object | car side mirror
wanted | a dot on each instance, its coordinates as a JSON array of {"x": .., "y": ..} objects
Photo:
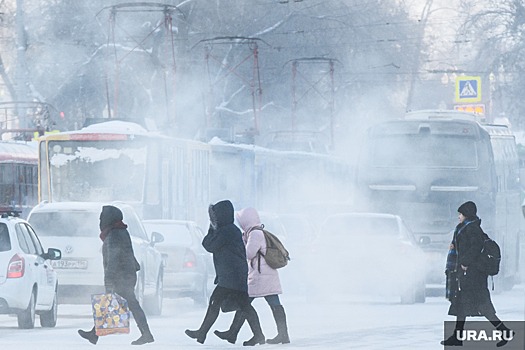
[
  {"x": 156, "y": 238},
  {"x": 52, "y": 254}
]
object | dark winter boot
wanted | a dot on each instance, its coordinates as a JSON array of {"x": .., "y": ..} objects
[
  {"x": 145, "y": 338},
  {"x": 256, "y": 339},
  {"x": 90, "y": 335},
  {"x": 209, "y": 319},
  {"x": 253, "y": 321},
  {"x": 197, "y": 335},
  {"x": 452, "y": 341},
  {"x": 226, "y": 335},
  {"x": 507, "y": 335},
  {"x": 231, "y": 334},
  {"x": 282, "y": 329}
]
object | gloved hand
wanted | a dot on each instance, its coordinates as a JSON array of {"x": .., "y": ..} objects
[{"x": 213, "y": 217}]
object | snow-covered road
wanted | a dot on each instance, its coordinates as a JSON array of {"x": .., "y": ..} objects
[{"x": 359, "y": 323}]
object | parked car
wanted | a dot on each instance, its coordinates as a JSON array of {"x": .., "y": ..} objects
[
  {"x": 28, "y": 282},
  {"x": 189, "y": 270},
  {"x": 74, "y": 228},
  {"x": 369, "y": 254}
]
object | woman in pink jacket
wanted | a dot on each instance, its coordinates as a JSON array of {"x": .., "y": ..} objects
[{"x": 263, "y": 281}]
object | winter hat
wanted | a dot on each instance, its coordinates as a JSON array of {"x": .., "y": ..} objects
[
  {"x": 468, "y": 209},
  {"x": 109, "y": 216}
]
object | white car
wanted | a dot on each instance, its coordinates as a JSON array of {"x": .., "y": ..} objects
[
  {"x": 368, "y": 254},
  {"x": 28, "y": 282},
  {"x": 74, "y": 228},
  {"x": 189, "y": 270}
]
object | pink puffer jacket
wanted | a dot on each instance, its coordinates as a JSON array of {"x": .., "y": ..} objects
[{"x": 266, "y": 282}]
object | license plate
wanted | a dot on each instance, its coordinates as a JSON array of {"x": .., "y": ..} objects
[{"x": 69, "y": 264}]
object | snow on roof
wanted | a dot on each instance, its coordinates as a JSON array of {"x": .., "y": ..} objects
[
  {"x": 18, "y": 151},
  {"x": 112, "y": 127},
  {"x": 215, "y": 141},
  {"x": 74, "y": 206}
]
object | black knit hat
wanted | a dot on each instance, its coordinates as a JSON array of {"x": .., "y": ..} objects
[{"x": 468, "y": 209}]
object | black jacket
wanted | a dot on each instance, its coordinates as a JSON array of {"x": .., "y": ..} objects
[
  {"x": 224, "y": 241},
  {"x": 472, "y": 294},
  {"x": 120, "y": 265}
]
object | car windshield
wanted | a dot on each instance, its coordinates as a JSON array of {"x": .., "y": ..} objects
[
  {"x": 5, "y": 242},
  {"x": 361, "y": 225},
  {"x": 174, "y": 234},
  {"x": 66, "y": 223}
]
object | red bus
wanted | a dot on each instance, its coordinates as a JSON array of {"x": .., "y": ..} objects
[{"x": 18, "y": 176}]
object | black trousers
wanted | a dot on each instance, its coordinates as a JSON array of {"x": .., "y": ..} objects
[
  {"x": 487, "y": 311},
  {"x": 128, "y": 293},
  {"x": 218, "y": 296}
]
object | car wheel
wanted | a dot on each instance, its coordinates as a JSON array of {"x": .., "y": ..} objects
[
  {"x": 201, "y": 296},
  {"x": 49, "y": 318},
  {"x": 409, "y": 296},
  {"x": 154, "y": 304},
  {"x": 26, "y": 318},
  {"x": 421, "y": 293},
  {"x": 139, "y": 289}
]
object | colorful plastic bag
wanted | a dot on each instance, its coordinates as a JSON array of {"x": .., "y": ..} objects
[{"x": 110, "y": 314}]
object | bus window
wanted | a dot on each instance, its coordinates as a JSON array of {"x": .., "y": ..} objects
[
  {"x": 5, "y": 241},
  {"x": 414, "y": 150},
  {"x": 152, "y": 195},
  {"x": 103, "y": 170}
]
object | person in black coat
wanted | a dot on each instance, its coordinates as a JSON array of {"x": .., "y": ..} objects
[
  {"x": 224, "y": 241},
  {"x": 120, "y": 270},
  {"x": 467, "y": 287}
]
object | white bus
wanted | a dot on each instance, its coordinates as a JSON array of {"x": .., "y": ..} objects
[{"x": 424, "y": 166}]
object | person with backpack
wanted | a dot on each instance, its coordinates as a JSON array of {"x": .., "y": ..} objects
[
  {"x": 263, "y": 281},
  {"x": 467, "y": 286},
  {"x": 224, "y": 241}
]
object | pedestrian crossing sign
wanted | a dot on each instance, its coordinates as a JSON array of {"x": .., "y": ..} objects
[{"x": 468, "y": 89}]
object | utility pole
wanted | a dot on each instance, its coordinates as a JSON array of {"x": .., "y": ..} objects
[
  {"x": 139, "y": 43},
  {"x": 313, "y": 86},
  {"x": 21, "y": 65},
  {"x": 415, "y": 64},
  {"x": 249, "y": 77}
]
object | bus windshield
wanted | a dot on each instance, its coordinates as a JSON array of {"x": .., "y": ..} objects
[
  {"x": 424, "y": 151},
  {"x": 102, "y": 170}
]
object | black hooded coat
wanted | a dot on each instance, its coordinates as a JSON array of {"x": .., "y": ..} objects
[
  {"x": 224, "y": 241},
  {"x": 472, "y": 296},
  {"x": 120, "y": 265}
]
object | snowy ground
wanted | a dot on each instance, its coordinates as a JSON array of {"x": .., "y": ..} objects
[{"x": 358, "y": 322}]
